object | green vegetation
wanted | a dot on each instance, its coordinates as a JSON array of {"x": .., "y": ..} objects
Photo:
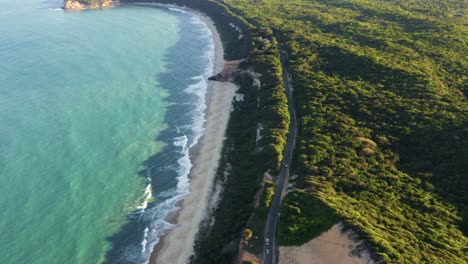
[
  {"x": 246, "y": 235},
  {"x": 380, "y": 87},
  {"x": 272, "y": 102},
  {"x": 265, "y": 199},
  {"x": 244, "y": 159},
  {"x": 303, "y": 217},
  {"x": 247, "y": 159},
  {"x": 219, "y": 244},
  {"x": 272, "y": 110},
  {"x": 256, "y": 223}
]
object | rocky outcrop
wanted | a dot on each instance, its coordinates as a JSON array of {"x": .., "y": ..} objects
[
  {"x": 78, "y": 5},
  {"x": 231, "y": 71}
]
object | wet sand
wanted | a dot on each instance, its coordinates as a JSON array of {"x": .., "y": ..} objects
[{"x": 331, "y": 247}]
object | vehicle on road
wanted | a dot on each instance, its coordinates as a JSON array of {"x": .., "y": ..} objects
[{"x": 283, "y": 175}]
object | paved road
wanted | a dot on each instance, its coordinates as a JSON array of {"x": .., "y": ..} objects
[{"x": 269, "y": 254}]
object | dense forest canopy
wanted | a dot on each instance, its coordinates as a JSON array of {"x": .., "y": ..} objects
[{"x": 381, "y": 89}]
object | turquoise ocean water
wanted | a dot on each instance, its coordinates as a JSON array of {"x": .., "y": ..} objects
[{"x": 98, "y": 109}]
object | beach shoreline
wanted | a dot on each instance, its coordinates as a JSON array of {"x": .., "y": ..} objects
[{"x": 177, "y": 245}]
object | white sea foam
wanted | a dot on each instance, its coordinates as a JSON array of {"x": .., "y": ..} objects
[
  {"x": 200, "y": 88},
  {"x": 177, "y": 10},
  {"x": 181, "y": 141},
  {"x": 144, "y": 242},
  {"x": 191, "y": 133},
  {"x": 147, "y": 196}
]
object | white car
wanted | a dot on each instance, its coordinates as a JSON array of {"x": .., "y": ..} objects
[
  {"x": 267, "y": 252},
  {"x": 267, "y": 241}
]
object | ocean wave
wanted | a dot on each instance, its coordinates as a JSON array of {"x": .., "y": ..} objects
[
  {"x": 154, "y": 217},
  {"x": 181, "y": 141},
  {"x": 200, "y": 88},
  {"x": 144, "y": 242},
  {"x": 177, "y": 10},
  {"x": 147, "y": 196}
]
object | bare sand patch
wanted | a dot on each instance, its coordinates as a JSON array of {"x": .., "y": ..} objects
[{"x": 331, "y": 247}]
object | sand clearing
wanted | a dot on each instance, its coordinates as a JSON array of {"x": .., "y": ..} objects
[
  {"x": 177, "y": 246},
  {"x": 331, "y": 247}
]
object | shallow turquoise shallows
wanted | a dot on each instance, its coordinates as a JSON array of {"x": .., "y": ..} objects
[{"x": 98, "y": 109}]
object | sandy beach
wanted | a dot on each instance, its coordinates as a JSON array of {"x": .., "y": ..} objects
[
  {"x": 331, "y": 247},
  {"x": 177, "y": 246}
]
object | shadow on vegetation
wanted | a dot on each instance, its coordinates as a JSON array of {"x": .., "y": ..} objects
[
  {"x": 409, "y": 24},
  {"x": 435, "y": 153},
  {"x": 353, "y": 67},
  {"x": 303, "y": 217},
  {"x": 219, "y": 243},
  {"x": 438, "y": 158}
]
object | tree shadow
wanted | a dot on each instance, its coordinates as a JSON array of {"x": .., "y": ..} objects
[
  {"x": 437, "y": 156},
  {"x": 433, "y": 151},
  {"x": 350, "y": 66},
  {"x": 396, "y": 15}
]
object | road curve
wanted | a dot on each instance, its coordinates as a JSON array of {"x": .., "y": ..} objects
[{"x": 269, "y": 241}]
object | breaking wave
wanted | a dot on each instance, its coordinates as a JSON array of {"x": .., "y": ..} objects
[{"x": 153, "y": 215}]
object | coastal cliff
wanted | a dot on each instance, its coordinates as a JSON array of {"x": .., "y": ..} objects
[{"x": 88, "y": 4}]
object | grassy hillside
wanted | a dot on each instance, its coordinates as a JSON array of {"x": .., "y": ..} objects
[{"x": 381, "y": 90}]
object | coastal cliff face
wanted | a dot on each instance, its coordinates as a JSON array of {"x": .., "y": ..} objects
[{"x": 88, "y": 4}]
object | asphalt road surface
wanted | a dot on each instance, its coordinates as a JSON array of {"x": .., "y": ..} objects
[{"x": 269, "y": 242}]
